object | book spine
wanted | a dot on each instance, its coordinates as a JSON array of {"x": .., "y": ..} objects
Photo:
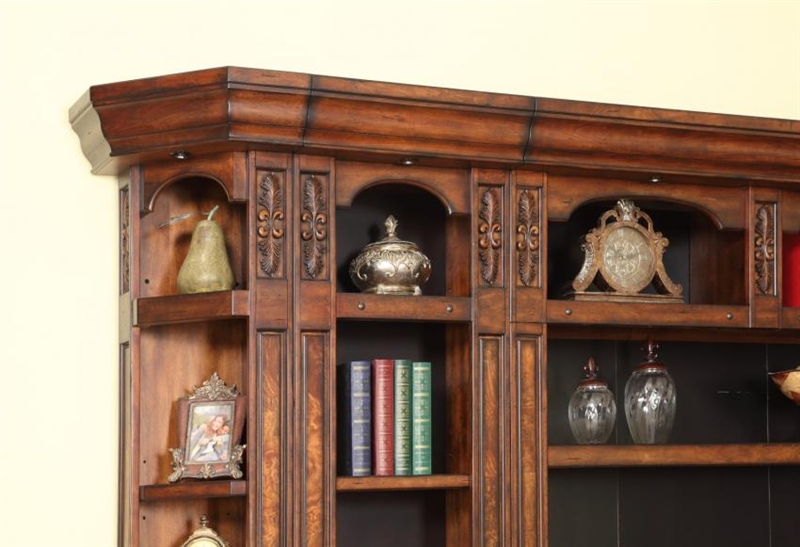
[
  {"x": 791, "y": 270},
  {"x": 421, "y": 431},
  {"x": 402, "y": 417},
  {"x": 354, "y": 442},
  {"x": 383, "y": 416}
]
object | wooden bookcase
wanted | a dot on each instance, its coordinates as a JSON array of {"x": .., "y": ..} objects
[{"x": 496, "y": 190}]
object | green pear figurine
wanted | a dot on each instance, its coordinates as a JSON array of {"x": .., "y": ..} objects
[{"x": 206, "y": 267}]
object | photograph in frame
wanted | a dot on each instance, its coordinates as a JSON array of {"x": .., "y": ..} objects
[{"x": 210, "y": 424}]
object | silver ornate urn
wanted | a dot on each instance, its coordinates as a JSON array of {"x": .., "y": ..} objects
[{"x": 390, "y": 266}]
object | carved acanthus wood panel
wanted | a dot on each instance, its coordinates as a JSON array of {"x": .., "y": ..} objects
[
  {"x": 765, "y": 249},
  {"x": 314, "y": 231},
  {"x": 490, "y": 235},
  {"x": 271, "y": 228},
  {"x": 124, "y": 240},
  {"x": 528, "y": 237}
]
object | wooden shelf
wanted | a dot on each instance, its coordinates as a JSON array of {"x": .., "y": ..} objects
[
  {"x": 637, "y": 313},
  {"x": 186, "y": 490},
  {"x": 407, "y": 308},
  {"x": 428, "y": 482},
  {"x": 188, "y": 308},
  {"x": 674, "y": 455},
  {"x": 791, "y": 318}
]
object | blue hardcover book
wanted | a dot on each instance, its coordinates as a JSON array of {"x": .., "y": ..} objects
[{"x": 354, "y": 418}]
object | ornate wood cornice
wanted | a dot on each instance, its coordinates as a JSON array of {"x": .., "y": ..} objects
[{"x": 236, "y": 109}]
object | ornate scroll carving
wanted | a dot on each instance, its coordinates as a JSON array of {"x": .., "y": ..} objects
[
  {"x": 765, "y": 249},
  {"x": 314, "y": 232},
  {"x": 528, "y": 237},
  {"x": 271, "y": 228},
  {"x": 490, "y": 231},
  {"x": 124, "y": 240}
]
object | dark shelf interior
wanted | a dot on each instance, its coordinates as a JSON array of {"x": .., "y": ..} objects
[
  {"x": 421, "y": 220},
  {"x": 723, "y": 392},
  {"x": 707, "y": 262},
  {"x": 675, "y": 507},
  {"x": 417, "y": 519}
]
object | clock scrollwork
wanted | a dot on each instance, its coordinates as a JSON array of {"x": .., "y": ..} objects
[{"x": 623, "y": 256}]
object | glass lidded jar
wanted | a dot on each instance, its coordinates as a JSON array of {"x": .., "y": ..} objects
[
  {"x": 592, "y": 410},
  {"x": 650, "y": 400}
]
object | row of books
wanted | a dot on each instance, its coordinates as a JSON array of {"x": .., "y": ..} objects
[{"x": 383, "y": 417}]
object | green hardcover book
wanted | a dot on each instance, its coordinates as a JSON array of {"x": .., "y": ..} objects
[
  {"x": 402, "y": 417},
  {"x": 421, "y": 416}
]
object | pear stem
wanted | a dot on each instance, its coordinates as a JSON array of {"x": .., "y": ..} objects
[{"x": 211, "y": 213}]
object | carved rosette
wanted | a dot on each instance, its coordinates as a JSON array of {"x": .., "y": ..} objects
[
  {"x": 314, "y": 229},
  {"x": 124, "y": 240},
  {"x": 271, "y": 227},
  {"x": 528, "y": 237},
  {"x": 765, "y": 249},
  {"x": 490, "y": 232}
]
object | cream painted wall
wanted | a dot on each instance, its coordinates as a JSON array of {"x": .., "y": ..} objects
[{"x": 58, "y": 354}]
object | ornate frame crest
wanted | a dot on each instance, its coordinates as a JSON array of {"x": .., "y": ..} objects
[{"x": 210, "y": 424}]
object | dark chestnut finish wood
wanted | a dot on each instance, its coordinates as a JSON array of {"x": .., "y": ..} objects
[
  {"x": 622, "y": 313},
  {"x": 497, "y": 190},
  {"x": 422, "y": 308},
  {"x": 430, "y": 482},
  {"x": 186, "y": 308},
  {"x": 209, "y": 489},
  {"x": 671, "y": 455}
]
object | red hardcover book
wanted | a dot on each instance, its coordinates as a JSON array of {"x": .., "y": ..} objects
[
  {"x": 791, "y": 270},
  {"x": 383, "y": 416}
]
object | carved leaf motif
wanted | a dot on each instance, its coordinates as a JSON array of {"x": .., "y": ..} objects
[
  {"x": 528, "y": 238},
  {"x": 765, "y": 249},
  {"x": 315, "y": 230},
  {"x": 490, "y": 231},
  {"x": 270, "y": 227},
  {"x": 124, "y": 243}
]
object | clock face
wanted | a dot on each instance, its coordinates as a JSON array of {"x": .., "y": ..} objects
[{"x": 627, "y": 261}]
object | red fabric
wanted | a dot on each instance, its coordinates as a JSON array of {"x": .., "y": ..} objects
[{"x": 791, "y": 270}]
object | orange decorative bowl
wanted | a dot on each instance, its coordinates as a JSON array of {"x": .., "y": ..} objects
[{"x": 789, "y": 383}]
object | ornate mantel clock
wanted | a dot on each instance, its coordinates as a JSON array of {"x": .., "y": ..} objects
[{"x": 624, "y": 256}]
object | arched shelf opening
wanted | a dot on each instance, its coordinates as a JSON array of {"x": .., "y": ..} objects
[
  {"x": 707, "y": 261},
  {"x": 422, "y": 218},
  {"x": 177, "y": 207}
]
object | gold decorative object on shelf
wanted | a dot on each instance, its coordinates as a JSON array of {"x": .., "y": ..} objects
[
  {"x": 390, "y": 266},
  {"x": 210, "y": 423},
  {"x": 789, "y": 383},
  {"x": 206, "y": 267},
  {"x": 204, "y": 537},
  {"x": 624, "y": 256}
]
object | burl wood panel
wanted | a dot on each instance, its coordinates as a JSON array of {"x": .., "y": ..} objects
[
  {"x": 529, "y": 437},
  {"x": 312, "y": 438},
  {"x": 489, "y": 493},
  {"x": 276, "y": 494}
]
